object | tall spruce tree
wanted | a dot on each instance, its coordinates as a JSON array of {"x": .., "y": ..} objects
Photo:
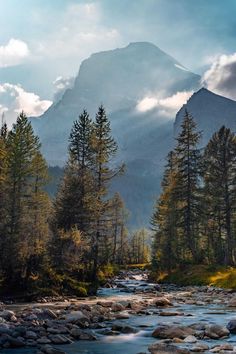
[
  {"x": 220, "y": 194},
  {"x": 27, "y": 220},
  {"x": 104, "y": 148},
  {"x": 188, "y": 164},
  {"x": 167, "y": 250}
]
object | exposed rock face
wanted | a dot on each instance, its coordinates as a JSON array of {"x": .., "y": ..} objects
[{"x": 210, "y": 111}]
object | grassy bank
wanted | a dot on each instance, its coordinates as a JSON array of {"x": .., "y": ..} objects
[{"x": 219, "y": 276}]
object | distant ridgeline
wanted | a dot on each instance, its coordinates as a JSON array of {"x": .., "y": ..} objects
[{"x": 121, "y": 79}]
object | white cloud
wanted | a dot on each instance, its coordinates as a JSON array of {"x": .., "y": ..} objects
[
  {"x": 13, "y": 53},
  {"x": 14, "y": 99},
  {"x": 61, "y": 84},
  {"x": 166, "y": 106},
  {"x": 78, "y": 33},
  {"x": 221, "y": 77}
]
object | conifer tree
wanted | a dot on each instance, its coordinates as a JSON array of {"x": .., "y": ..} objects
[
  {"x": 104, "y": 148},
  {"x": 220, "y": 194},
  {"x": 27, "y": 219},
  {"x": 167, "y": 250},
  {"x": 188, "y": 164}
]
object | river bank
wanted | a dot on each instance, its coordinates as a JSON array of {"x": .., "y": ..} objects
[{"x": 129, "y": 316}]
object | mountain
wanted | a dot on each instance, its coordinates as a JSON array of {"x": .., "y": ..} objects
[
  {"x": 120, "y": 79},
  {"x": 210, "y": 111}
]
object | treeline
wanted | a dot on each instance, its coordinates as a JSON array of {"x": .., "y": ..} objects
[
  {"x": 62, "y": 244},
  {"x": 194, "y": 220}
]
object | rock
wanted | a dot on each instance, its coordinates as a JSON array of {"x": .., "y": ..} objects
[
  {"x": 159, "y": 348},
  {"x": 48, "y": 349},
  {"x": 199, "y": 348},
  {"x": 105, "y": 303},
  {"x": 75, "y": 316},
  {"x": 78, "y": 334},
  {"x": 122, "y": 316},
  {"x": 59, "y": 339},
  {"x": 31, "y": 335},
  {"x": 231, "y": 303},
  {"x": 43, "y": 340},
  {"x": 117, "y": 307},
  {"x": 216, "y": 331},
  {"x": 162, "y": 302},
  {"x": 123, "y": 328},
  {"x": 231, "y": 326},
  {"x": 170, "y": 332},
  {"x": 167, "y": 313},
  {"x": 190, "y": 339},
  {"x": 16, "y": 342},
  {"x": 7, "y": 315}
]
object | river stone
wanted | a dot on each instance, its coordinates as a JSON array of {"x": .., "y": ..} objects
[
  {"x": 231, "y": 326},
  {"x": 59, "y": 339},
  {"x": 190, "y": 339},
  {"x": 231, "y": 303},
  {"x": 158, "y": 348},
  {"x": 162, "y": 302},
  {"x": 75, "y": 316},
  {"x": 31, "y": 335},
  {"x": 105, "y": 303},
  {"x": 123, "y": 328},
  {"x": 216, "y": 331},
  {"x": 16, "y": 342},
  {"x": 7, "y": 315},
  {"x": 48, "y": 349},
  {"x": 43, "y": 340},
  {"x": 117, "y": 307},
  {"x": 170, "y": 332},
  {"x": 199, "y": 348}
]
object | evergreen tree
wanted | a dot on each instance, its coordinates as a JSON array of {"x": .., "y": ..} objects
[
  {"x": 27, "y": 219},
  {"x": 188, "y": 164},
  {"x": 104, "y": 148},
  {"x": 166, "y": 245},
  {"x": 220, "y": 194}
]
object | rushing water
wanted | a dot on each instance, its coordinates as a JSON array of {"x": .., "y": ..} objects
[{"x": 145, "y": 324}]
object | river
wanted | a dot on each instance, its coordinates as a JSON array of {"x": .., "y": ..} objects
[{"x": 198, "y": 308}]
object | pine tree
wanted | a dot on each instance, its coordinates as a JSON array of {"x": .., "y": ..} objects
[
  {"x": 105, "y": 148},
  {"x": 27, "y": 202},
  {"x": 220, "y": 194},
  {"x": 166, "y": 245},
  {"x": 188, "y": 163}
]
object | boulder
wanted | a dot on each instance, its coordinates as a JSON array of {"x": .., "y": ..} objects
[
  {"x": 59, "y": 339},
  {"x": 48, "y": 349},
  {"x": 165, "y": 348},
  {"x": 162, "y": 302},
  {"x": 75, "y": 316},
  {"x": 231, "y": 326},
  {"x": 117, "y": 307},
  {"x": 190, "y": 339},
  {"x": 170, "y": 332},
  {"x": 123, "y": 328},
  {"x": 216, "y": 331}
]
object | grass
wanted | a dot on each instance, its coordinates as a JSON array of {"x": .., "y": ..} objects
[{"x": 218, "y": 276}]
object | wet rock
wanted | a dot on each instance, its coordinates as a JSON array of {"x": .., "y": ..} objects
[
  {"x": 170, "y": 332},
  {"x": 216, "y": 331},
  {"x": 78, "y": 334},
  {"x": 105, "y": 303},
  {"x": 48, "y": 349},
  {"x": 162, "y": 302},
  {"x": 43, "y": 340},
  {"x": 75, "y": 316},
  {"x": 190, "y": 339},
  {"x": 122, "y": 316},
  {"x": 231, "y": 303},
  {"x": 7, "y": 315},
  {"x": 167, "y": 313},
  {"x": 59, "y": 339},
  {"x": 199, "y": 348},
  {"x": 231, "y": 326},
  {"x": 123, "y": 328},
  {"x": 158, "y": 348},
  {"x": 117, "y": 307},
  {"x": 31, "y": 335},
  {"x": 16, "y": 342}
]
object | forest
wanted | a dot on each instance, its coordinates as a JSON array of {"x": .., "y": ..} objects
[
  {"x": 194, "y": 220},
  {"x": 67, "y": 244}
]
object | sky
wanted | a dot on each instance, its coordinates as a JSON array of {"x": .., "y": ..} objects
[{"x": 42, "y": 42}]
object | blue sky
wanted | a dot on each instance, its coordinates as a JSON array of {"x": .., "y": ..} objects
[{"x": 42, "y": 40}]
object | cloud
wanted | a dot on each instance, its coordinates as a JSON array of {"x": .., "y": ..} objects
[
  {"x": 14, "y": 99},
  {"x": 79, "y": 32},
  {"x": 13, "y": 53},
  {"x": 61, "y": 84},
  {"x": 221, "y": 77},
  {"x": 166, "y": 106}
]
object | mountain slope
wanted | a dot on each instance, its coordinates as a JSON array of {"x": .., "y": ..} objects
[{"x": 210, "y": 111}]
